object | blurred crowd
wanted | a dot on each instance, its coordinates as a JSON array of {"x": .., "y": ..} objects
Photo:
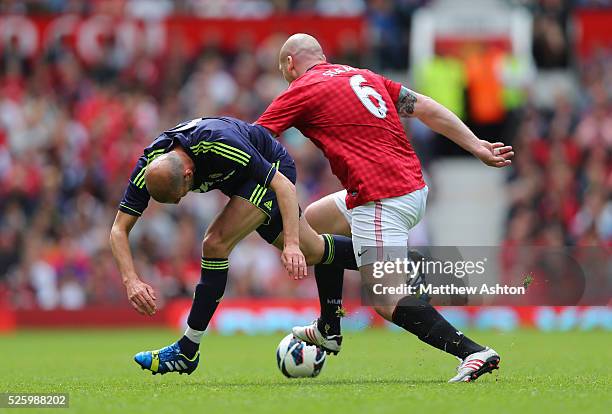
[
  {"x": 70, "y": 134},
  {"x": 561, "y": 183}
]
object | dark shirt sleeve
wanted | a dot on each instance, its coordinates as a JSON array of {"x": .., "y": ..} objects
[
  {"x": 136, "y": 197},
  {"x": 238, "y": 154}
]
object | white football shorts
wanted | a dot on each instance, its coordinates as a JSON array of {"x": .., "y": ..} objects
[{"x": 382, "y": 223}]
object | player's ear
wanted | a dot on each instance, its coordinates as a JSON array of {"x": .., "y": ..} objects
[
  {"x": 289, "y": 63},
  {"x": 188, "y": 174}
]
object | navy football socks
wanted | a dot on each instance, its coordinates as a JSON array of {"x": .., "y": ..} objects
[
  {"x": 329, "y": 285},
  {"x": 208, "y": 294},
  {"x": 338, "y": 251},
  {"x": 329, "y": 275}
]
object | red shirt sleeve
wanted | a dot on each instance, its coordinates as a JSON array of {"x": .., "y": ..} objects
[
  {"x": 286, "y": 111},
  {"x": 393, "y": 88}
]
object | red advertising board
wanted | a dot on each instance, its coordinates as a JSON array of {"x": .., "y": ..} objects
[
  {"x": 88, "y": 35},
  {"x": 7, "y": 319}
]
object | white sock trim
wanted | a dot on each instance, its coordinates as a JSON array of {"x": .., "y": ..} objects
[{"x": 193, "y": 335}]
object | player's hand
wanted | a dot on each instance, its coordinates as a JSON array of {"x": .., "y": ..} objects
[
  {"x": 141, "y": 296},
  {"x": 494, "y": 154},
  {"x": 294, "y": 261}
]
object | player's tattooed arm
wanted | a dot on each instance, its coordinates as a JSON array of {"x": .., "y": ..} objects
[
  {"x": 406, "y": 102},
  {"x": 443, "y": 121}
]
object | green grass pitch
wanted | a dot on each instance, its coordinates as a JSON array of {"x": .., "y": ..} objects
[{"x": 377, "y": 372}]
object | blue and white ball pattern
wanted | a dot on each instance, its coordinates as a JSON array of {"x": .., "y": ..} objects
[{"x": 296, "y": 359}]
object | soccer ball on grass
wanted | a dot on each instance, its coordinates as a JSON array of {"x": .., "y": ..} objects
[{"x": 297, "y": 359}]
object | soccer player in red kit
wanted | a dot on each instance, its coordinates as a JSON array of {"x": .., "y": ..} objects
[{"x": 353, "y": 116}]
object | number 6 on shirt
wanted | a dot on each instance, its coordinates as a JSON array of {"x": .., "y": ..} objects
[{"x": 364, "y": 93}]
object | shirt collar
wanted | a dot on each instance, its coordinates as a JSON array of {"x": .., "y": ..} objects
[{"x": 316, "y": 64}]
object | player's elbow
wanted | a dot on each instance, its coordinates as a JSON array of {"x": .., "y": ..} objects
[
  {"x": 111, "y": 239},
  {"x": 116, "y": 233},
  {"x": 113, "y": 235}
]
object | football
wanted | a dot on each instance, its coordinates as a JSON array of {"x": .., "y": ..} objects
[{"x": 297, "y": 359}]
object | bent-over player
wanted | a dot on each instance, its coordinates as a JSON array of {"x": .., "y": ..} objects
[{"x": 252, "y": 168}]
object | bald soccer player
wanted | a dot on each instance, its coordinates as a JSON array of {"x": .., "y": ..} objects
[
  {"x": 245, "y": 163},
  {"x": 353, "y": 116}
]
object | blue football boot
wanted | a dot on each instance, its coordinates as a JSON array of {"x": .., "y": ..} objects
[{"x": 168, "y": 359}]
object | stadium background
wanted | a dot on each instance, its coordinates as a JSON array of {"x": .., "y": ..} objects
[{"x": 84, "y": 86}]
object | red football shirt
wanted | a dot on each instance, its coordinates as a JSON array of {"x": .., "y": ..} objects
[{"x": 350, "y": 115}]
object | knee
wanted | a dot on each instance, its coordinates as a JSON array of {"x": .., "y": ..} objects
[
  {"x": 311, "y": 257},
  {"x": 214, "y": 245},
  {"x": 312, "y": 246},
  {"x": 311, "y": 214}
]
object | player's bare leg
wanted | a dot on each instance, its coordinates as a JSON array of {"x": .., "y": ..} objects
[
  {"x": 236, "y": 220},
  {"x": 385, "y": 304},
  {"x": 324, "y": 217}
]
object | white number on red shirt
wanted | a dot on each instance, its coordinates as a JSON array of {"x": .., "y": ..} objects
[{"x": 364, "y": 93}]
